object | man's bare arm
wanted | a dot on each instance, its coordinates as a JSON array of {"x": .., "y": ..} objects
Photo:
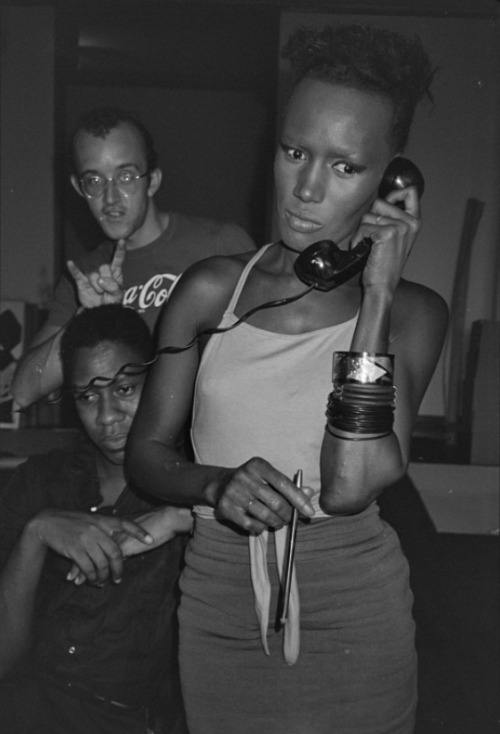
[{"x": 39, "y": 371}]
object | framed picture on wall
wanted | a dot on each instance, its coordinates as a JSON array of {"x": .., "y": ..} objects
[{"x": 17, "y": 320}]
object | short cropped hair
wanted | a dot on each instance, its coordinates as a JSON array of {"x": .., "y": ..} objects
[
  {"x": 367, "y": 58},
  {"x": 101, "y": 120},
  {"x": 110, "y": 323}
]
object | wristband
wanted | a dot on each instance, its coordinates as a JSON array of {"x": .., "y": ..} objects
[{"x": 361, "y": 405}]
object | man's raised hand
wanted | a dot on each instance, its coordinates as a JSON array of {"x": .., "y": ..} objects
[{"x": 104, "y": 285}]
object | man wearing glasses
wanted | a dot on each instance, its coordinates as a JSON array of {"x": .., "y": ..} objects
[{"x": 145, "y": 251}]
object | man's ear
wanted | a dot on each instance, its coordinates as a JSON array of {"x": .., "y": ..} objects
[
  {"x": 155, "y": 178},
  {"x": 76, "y": 185}
]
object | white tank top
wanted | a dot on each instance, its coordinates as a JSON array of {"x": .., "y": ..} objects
[{"x": 262, "y": 393}]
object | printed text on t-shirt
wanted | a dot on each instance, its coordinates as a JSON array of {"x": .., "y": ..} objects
[{"x": 151, "y": 294}]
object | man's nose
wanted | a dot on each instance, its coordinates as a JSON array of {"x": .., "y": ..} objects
[
  {"x": 111, "y": 191},
  {"x": 110, "y": 410}
]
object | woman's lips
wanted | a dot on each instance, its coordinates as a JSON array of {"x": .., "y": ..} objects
[{"x": 302, "y": 224}]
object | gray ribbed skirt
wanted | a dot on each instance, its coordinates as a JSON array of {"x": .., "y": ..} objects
[{"x": 356, "y": 672}]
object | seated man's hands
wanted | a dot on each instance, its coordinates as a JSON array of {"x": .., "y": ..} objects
[
  {"x": 88, "y": 539},
  {"x": 160, "y": 525},
  {"x": 105, "y": 285}
]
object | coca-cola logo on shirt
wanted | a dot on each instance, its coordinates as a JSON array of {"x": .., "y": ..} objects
[{"x": 151, "y": 294}]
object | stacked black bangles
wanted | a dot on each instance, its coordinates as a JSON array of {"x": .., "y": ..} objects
[{"x": 361, "y": 405}]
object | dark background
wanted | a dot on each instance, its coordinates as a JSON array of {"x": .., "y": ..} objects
[{"x": 189, "y": 68}]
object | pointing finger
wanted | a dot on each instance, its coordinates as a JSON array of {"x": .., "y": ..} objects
[{"x": 118, "y": 258}]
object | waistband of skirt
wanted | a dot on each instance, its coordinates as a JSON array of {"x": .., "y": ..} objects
[{"x": 208, "y": 513}]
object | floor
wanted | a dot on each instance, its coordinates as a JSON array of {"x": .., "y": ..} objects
[{"x": 455, "y": 584}]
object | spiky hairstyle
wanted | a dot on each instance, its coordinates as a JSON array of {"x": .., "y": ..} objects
[
  {"x": 110, "y": 323},
  {"x": 101, "y": 120},
  {"x": 368, "y": 58}
]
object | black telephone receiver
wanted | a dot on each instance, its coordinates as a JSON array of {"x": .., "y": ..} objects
[{"x": 324, "y": 265}]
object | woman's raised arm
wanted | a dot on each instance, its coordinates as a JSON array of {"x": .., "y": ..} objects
[{"x": 397, "y": 317}]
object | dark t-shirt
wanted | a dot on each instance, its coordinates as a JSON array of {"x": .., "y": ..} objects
[
  {"x": 117, "y": 642},
  {"x": 150, "y": 272}
]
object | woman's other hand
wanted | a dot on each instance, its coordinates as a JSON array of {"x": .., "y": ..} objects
[{"x": 257, "y": 496}]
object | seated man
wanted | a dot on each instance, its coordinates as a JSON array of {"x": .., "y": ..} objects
[{"x": 75, "y": 657}]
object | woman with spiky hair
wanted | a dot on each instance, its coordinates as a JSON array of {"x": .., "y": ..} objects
[{"x": 337, "y": 656}]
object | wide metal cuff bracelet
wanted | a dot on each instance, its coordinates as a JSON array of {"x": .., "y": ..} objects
[{"x": 368, "y": 368}]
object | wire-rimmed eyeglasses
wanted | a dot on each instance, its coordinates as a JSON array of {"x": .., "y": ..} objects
[{"x": 93, "y": 185}]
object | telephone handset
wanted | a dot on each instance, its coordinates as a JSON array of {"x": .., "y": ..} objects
[{"x": 324, "y": 264}]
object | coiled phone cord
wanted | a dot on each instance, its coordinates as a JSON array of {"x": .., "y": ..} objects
[{"x": 134, "y": 368}]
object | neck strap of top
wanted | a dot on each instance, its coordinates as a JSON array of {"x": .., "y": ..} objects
[{"x": 244, "y": 276}]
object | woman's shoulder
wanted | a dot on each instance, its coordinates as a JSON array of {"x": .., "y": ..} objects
[
  {"x": 415, "y": 304},
  {"x": 203, "y": 291},
  {"x": 213, "y": 275},
  {"x": 410, "y": 293}
]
